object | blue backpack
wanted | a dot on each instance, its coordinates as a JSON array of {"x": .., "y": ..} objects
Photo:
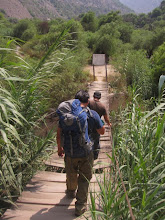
[{"x": 73, "y": 120}]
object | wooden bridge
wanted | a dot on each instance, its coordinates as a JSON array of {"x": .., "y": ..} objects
[{"x": 44, "y": 197}]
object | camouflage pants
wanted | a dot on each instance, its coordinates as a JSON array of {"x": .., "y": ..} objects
[{"x": 78, "y": 175}]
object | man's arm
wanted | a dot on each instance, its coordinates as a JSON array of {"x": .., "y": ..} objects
[
  {"x": 101, "y": 130},
  {"x": 107, "y": 119},
  {"x": 58, "y": 138},
  {"x": 99, "y": 126}
]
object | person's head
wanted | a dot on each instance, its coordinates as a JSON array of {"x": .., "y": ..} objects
[
  {"x": 82, "y": 95},
  {"x": 97, "y": 95}
]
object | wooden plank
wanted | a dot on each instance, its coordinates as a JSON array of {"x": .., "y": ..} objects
[
  {"x": 53, "y": 177},
  {"x": 58, "y": 198},
  {"x": 96, "y": 166},
  {"x": 41, "y": 212}
]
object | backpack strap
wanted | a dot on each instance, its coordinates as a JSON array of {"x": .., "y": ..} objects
[
  {"x": 71, "y": 145},
  {"x": 82, "y": 130}
]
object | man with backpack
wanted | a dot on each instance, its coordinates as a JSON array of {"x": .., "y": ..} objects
[{"x": 77, "y": 146}]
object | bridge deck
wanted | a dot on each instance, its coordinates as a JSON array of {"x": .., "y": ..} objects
[{"x": 44, "y": 196}]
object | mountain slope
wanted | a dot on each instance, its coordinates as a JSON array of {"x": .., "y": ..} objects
[
  {"x": 45, "y": 9},
  {"x": 141, "y": 6},
  {"x": 14, "y": 8},
  {"x": 73, "y": 8}
]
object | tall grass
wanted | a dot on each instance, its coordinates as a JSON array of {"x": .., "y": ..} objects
[
  {"x": 22, "y": 105},
  {"x": 139, "y": 148}
]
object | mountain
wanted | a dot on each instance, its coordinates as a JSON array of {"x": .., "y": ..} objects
[
  {"x": 47, "y": 9},
  {"x": 142, "y": 6}
]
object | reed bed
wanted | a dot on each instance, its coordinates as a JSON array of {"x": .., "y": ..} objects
[{"x": 138, "y": 149}]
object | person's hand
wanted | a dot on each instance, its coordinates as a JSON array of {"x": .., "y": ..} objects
[
  {"x": 60, "y": 151},
  {"x": 103, "y": 122}
]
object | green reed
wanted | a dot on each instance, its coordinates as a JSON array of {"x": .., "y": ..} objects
[{"x": 138, "y": 143}]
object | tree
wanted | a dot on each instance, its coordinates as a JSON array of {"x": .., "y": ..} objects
[
  {"x": 131, "y": 18},
  {"x": 110, "y": 17},
  {"x": 43, "y": 27},
  {"x": 89, "y": 21},
  {"x": 155, "y": 13},
  {"x": 162, "y": 5},
  {"x": 125, "y": 32},
  {"x": 143, "y": 39},
  {"x": 142, "y": 20},
  {"x": 20, "y": 27},
  {"x": 75, "y": 29},
  {"x": 107, "y": 38},
  {"x": 158, "y": 37}
]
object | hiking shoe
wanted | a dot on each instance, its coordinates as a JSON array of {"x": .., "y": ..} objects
[
  {"x": 79, "y": 212},
  {"x": 71, "y": 194}
]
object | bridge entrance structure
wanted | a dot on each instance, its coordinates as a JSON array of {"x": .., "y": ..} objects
[{"x": 99, "y": 60}]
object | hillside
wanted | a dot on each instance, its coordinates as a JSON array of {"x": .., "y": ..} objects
[
  {"x": 47, "y": 9},
  {"x": 141, "y": 6},
  {"x": 14, "y": 8}
]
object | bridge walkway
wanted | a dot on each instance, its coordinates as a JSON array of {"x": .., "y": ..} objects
[{"x": 44, "y": 196}]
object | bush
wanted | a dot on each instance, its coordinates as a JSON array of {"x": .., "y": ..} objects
[
  {"x": 19, "y": 28},
  {"x": 28, "y": 34},
  {"x": 137, "y": 70},
  {"x": 158, "y": 66}
]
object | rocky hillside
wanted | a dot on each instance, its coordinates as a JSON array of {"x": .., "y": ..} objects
[
  {"x": 142, "y": 6},
  {"x": 45, "y": 9},
  {"x": 14, "y": 8}
]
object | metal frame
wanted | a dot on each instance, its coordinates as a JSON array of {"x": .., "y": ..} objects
[{"x": 99, "y": 60}]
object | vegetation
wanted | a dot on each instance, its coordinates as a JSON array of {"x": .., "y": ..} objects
[
  {"x": 25, "y": 100},
  {"x": 138, "y": 164},
  {"x": 41, "y": 64}
]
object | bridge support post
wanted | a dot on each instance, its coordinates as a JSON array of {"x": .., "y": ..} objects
[{"x": 94, "y": 72}]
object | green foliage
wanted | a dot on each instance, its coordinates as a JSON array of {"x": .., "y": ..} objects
[
  {"x": 43, "y": 27},
  {"x": 139, "y": 145},
  {"x": 28, "y": 34},
  {"x": 125, "y": 31},
  {"x": 2, "y": 17},
  {"x": 110, "y": 17},
  {"x": 136, "y": 68},
  {"x": 5, "y": 26},
  {"x": 156, "y": 13},
  {"x": 91, "y": 39},
  {"x": 23, "y": 104},
  {"x": 138, "y": 142},
  {"x": 158, "y": 36},
  {"x": 19, "y": 147},
  {"x": 36, "y": 80},
  {"x": 107, "y": 39},
  {"x": 111, "y": 197},
  {"x": 105, "y": 45},
  {"x": 138, "y": 154},
  {"x": 158, "y": 65},
  {"x": 143, "y": 39},
  {"x": 20, "y": 28},
  {"x": 24, "y": 29},
  {"x": 68, "y": 78},
  {"x": 89, "y": 21},
  {"x": 75, "y": 30},
  {"x": 130, "y": 18}
]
